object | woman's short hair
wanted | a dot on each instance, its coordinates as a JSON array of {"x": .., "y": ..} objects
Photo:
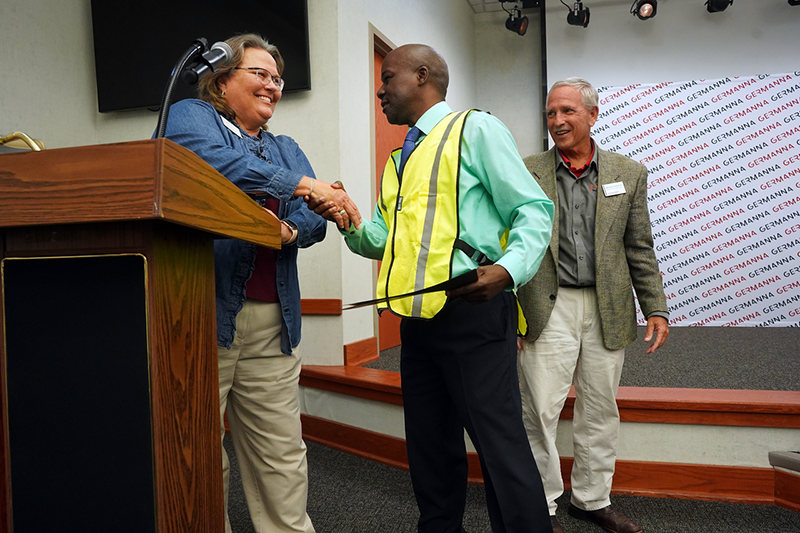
[
  {"x": 589, "y": 96},
  {"x": 208, "y": 88}
]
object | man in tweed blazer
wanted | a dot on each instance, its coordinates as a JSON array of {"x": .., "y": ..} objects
[{"x": 580, "y": 306}]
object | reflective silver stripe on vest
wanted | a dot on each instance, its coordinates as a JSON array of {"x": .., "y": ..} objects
[
  {"x": 430, "y": 213},
  {"x": 381, "y": 200}
]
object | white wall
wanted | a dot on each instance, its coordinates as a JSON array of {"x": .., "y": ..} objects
[
  {"x": 447, "y": 25},
  {"x": 490, "y": 69},
  {"x": 342, "y": 46},
  {"x": 49, "y": 89},
  {"x": 49, "y": 92},
  {"x": 48, "y": 85},
  {"x": 682, "y": 42},
  {"x": 509, "y": 76}
]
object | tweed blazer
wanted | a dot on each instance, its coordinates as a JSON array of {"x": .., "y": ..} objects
[{"x": 624, "y": 254}]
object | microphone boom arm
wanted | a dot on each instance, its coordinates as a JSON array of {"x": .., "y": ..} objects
[{"x": 198, "y": 47}]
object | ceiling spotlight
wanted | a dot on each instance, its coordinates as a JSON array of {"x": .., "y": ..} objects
[
  {"x": 794, "y": 2},
  {"x": 577, "y": 16},
  {"x": 516, "y": 22},
  {"x": 715, "y": 6},
  {"x": 644, "y": 9}
]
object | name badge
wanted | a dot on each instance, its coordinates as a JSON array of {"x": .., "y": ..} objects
[
  {"x": 613, "y": 189},
  {"x": 231, "y": 126}
]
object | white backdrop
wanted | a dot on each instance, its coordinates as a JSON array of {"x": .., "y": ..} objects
[{"x": 724, "y": 191}]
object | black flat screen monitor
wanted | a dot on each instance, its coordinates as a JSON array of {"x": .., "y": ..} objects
[{"x": 137, "y": 44}]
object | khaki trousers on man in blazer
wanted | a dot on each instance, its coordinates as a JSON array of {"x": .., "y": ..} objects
[{"x": 573, "y": 339}]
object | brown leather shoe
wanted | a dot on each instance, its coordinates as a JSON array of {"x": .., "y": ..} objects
[
  {"x": 556, "y": 526},
  {"x": 608, "y": 518}
]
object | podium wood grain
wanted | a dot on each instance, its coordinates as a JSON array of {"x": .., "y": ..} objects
[
  {"x": 159, "y": 200},
  {"x": 155, "y": 179}
]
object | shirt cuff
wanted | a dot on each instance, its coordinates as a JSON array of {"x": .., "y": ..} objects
[
  {"x": 352, "y": 231},
  {"x": 514, "y": 269},
  {"x": 293, "y": 227}
]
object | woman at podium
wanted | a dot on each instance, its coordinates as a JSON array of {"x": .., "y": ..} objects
[{"x": 257, "y": 290}]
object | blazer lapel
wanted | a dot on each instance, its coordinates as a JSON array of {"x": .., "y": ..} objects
[
  {"x": 607, "y": 206},
  {"x": 545, "y": 171}
]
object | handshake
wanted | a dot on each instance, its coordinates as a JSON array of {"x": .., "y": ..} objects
[{"x": 331, "y": 202}]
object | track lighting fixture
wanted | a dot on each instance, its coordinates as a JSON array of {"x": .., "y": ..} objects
[
  {"x": 515, "y": 21},
  {"x": 578, "y": 15},
  {"x": 644, "y": 9},
  {"x": 715, "y": 6}
]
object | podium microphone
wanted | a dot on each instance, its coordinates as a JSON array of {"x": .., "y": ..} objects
[
  {"x": 207, "y": 62},
  {"x": 219, "y": 54}
]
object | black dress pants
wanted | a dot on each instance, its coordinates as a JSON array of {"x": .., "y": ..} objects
[{"x": 459, "y": 371}]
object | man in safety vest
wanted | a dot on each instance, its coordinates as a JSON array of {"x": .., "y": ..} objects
[{"x": 442, "y": 212}]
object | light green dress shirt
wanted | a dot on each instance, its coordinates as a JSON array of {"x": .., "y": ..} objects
[{"x": 496, "y": 192}]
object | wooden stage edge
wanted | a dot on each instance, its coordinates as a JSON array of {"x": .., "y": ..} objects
[
  {"x": 633, "y": 478},
  {"x": 779, "y": 409}
]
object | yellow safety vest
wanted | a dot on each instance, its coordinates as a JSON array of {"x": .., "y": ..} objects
[{"x": 422, "y": 217}]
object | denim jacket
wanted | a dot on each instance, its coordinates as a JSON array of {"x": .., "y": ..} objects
[{"x": 266, "y": 163}]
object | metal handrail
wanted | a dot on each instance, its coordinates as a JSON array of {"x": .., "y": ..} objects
[{"x": 35, "y": 145}]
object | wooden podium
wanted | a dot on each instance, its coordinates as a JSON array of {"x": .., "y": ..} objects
[{"x": 109, "y": 411}]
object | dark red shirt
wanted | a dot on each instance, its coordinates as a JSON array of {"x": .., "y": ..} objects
[
  {"x": 261, "y": 285},
  {"x": 577, "y": 171}
]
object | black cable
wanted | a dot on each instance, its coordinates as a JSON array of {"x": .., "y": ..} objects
[{"x": 198, "y": 47}]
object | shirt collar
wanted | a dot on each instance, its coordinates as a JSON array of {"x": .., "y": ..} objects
[
  {"x": 433, "y": 116},
  {"x": 578, "y": 172}
]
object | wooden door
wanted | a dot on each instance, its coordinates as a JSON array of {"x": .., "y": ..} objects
[{"x": 387, "y": 138}]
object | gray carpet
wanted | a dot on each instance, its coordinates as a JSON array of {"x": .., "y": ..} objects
[
  {"x": 701, "y": 358},
  {"x": 348, "y": 494}
]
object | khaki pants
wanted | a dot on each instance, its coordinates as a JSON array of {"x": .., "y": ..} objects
[
  {"x": 258, "y": 385},
  {"x": 571, "y": 350}
]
